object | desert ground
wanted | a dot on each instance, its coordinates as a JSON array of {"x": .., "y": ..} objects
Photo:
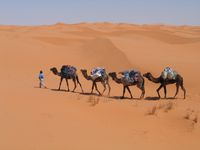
[{"x": 47, "y": 119}]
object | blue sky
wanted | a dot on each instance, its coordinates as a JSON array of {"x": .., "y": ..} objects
[{"x": 39, "y": 12}]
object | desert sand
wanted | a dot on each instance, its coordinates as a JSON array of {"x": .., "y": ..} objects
[{"x": 46, "y": 119}]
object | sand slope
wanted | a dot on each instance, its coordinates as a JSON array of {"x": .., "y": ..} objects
[{"x": 46, "y": 119}]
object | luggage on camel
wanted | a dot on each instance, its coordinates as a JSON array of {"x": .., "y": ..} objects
[
  {"x": 98, "y": 72},
  {"x": 68, "y": 70},
  {"x": 168, "y": 73},
  {"x": 131, "y": 75}
]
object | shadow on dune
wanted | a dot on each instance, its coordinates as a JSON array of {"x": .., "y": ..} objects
[
  {"x": 152, "y": 98},
  {"x": 157, "y": 98},
  {"x": 125, "y": 98},
  {"x": 37, "y": 87},
  {"x": 169, "y": 98},
  {"x": 110, "y": 97},
  {"x": 86, "y": 93},
  {"x": 61, "y": 90},
  {"x": 77, "y": 92}
]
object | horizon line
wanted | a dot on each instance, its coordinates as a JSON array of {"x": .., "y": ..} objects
[{"x": 100, "y": 22}]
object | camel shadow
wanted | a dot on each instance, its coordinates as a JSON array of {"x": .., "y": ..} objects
[
  {"x": 157, "y": 98},
  {"x": 86, "y": 93},
  {"x": 154, "y": 98},
  {"x": 61, "y": 90},
  {"x": 75, "y": 92},
  {"x": 120, "y": 98}
]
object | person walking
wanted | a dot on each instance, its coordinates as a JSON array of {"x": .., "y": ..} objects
[{"x": 41, "y": 78}]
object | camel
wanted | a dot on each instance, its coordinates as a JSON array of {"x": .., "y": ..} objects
[
  {"x": 104, "y": 81},
  {"x": 65, "y": 76},
  {"x": 178, "y": 80},
  {"x": 139, "y": 83}
]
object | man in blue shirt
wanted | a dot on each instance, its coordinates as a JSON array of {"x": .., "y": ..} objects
[{"x": 41, "y": 78}]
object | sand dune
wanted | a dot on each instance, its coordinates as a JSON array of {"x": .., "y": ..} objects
[
  {"x": 98, "y": 52},
  {"x": 40, "y": 119}
]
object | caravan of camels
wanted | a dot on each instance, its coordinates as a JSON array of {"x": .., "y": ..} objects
[{"x": 129, "y": 78}]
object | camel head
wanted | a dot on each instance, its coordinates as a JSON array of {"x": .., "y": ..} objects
[
  {"x": 54, "y": 70},
  {"x": 112, "y": 75},
  {"x": 83, "y": 70},
  {"x": 147, "y": 75}
]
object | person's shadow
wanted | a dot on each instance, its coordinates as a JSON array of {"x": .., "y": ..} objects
[{"x": 37, "y": 87}]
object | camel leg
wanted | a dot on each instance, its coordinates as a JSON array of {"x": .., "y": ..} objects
[
  {"x": 124, "y": 89},
  {"x": 159, "y": 90},
  {"x": 104, "y": 85},
  {"x": 74, "y": 80},
  {"x": 67, "y": 84},
  {"x": 109, "y": 88},
  {"x": 79, "y": 83},
  {"x": 95, "y": 85},
  {"x": 177, "y": 89},
  {"x": 92, "y": 87},
  {"x": 184, "y": 90},
  {"x": 165, "y": 91},
  {"x": 143, "y": 91},
  {"x": 60, "y": 83},
  {"x": 129, "y": 92}
]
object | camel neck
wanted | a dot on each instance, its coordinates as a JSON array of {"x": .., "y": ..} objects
[
  {"x": 86, "y": 76},
  {"x": 55, "y": 72},
  {"x": 153, "y": 79},
  {"x": 116, "y": 79}
]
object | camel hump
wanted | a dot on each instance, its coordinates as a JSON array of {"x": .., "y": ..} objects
[
  {"x": 131, "y": 75},
  {"x": 98, "y": 72},
  {"x": 169, "y": 73},
  {"x": 68, "y": 69}
]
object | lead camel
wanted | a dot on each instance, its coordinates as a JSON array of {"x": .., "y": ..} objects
[{"x": 66, "y": 76}]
